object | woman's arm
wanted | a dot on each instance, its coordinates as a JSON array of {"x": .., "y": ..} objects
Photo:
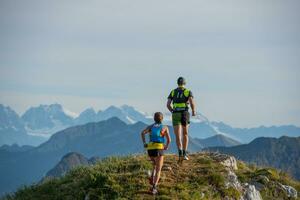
[
  {"x": 143, "y": 133},
  {"x": 167, "y": 135}
]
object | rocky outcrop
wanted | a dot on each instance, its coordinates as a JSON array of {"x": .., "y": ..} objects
[
  {"x": 232, "y": 181},
  {"x": 251, "y": 190},
  {"x": 228, "y": 161},
  {"x": 290, "y": 191},
  {"x": 248, "y": 191}
]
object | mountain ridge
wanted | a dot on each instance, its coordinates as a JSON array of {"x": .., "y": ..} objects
[
  {"x": 67, "y": 162},
  {"x": 205, "y": 176},
  {"x": 218, "y": 140}
]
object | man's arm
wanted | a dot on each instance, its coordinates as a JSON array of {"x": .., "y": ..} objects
[
  {"x": 169, "y": 102},
  {"x": 193, "y": 106}
]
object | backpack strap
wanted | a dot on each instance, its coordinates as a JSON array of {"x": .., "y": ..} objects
[
  {"x": 172, "y": 93},
  {"x": 186, "y": 92},
  {"x": 150, "y": 127}
]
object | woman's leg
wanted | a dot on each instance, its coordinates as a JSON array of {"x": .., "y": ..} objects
[
  {"x": 151, "y": 180},
  {"x": 159, "y": 163}
]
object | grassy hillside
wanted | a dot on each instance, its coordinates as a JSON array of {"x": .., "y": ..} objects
[{"x": 203, "y": 177}]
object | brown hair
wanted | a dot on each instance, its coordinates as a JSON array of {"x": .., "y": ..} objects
[{"x": 158, "y": 117}]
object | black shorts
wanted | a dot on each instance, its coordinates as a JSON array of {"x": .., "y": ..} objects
[{"x": 155, "y": 152}]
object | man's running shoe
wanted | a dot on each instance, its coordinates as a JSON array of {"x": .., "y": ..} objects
[
  {"x": 186, "y": 157},
  {"x": 154, "y": 190}
]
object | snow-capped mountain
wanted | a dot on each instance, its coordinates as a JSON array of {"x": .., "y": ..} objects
[
  {"x": 201, "y": 127},
  {"x": 88, "y": 115},
  {"x": 70, "y": 113},
  {"x": 46, "y": 116},
  {"x": 12, "y": 128},
  {"x": 46, "y": 119},
  {"x": 10, "y": 120},
  {"x": 126, "y": 113}
]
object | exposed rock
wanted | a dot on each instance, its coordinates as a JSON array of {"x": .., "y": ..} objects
[
  {"x": 291, "y": 192},
  {"x": 232, "y": 181},
  {"x": 225, "y": 160},
  {"x": 250, "y": 193},
  {"x": 230, "y": 162},
  {"x": 258, "y": 185}
]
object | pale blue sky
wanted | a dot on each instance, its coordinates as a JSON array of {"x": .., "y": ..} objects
[{"x": 241, "y": 58}]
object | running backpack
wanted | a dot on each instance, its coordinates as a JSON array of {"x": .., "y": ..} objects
[{"x": 157, "y": 133}]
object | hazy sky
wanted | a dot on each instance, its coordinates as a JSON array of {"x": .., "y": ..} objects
[{"x": 241, "y": 58}]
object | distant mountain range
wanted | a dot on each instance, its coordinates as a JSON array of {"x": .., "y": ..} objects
[
  {"x": 105, "y": 138},
  {"x": 37, "y": 124},
  {"x": 246, "y": 135},
  {"x": 282, "y": 153},
  {"x": 25, "y": 165},
  {"x": 15, "y": 148},
  {"x": 46, "y": 120}
]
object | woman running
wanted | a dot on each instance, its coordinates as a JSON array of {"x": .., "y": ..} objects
[{"x": 156, "y": 146}]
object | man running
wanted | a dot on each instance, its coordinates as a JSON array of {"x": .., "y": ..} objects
[{"x": 181, "y": 97}]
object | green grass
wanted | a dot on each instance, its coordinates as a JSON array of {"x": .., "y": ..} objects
[{"x": 126, "y": 178}]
